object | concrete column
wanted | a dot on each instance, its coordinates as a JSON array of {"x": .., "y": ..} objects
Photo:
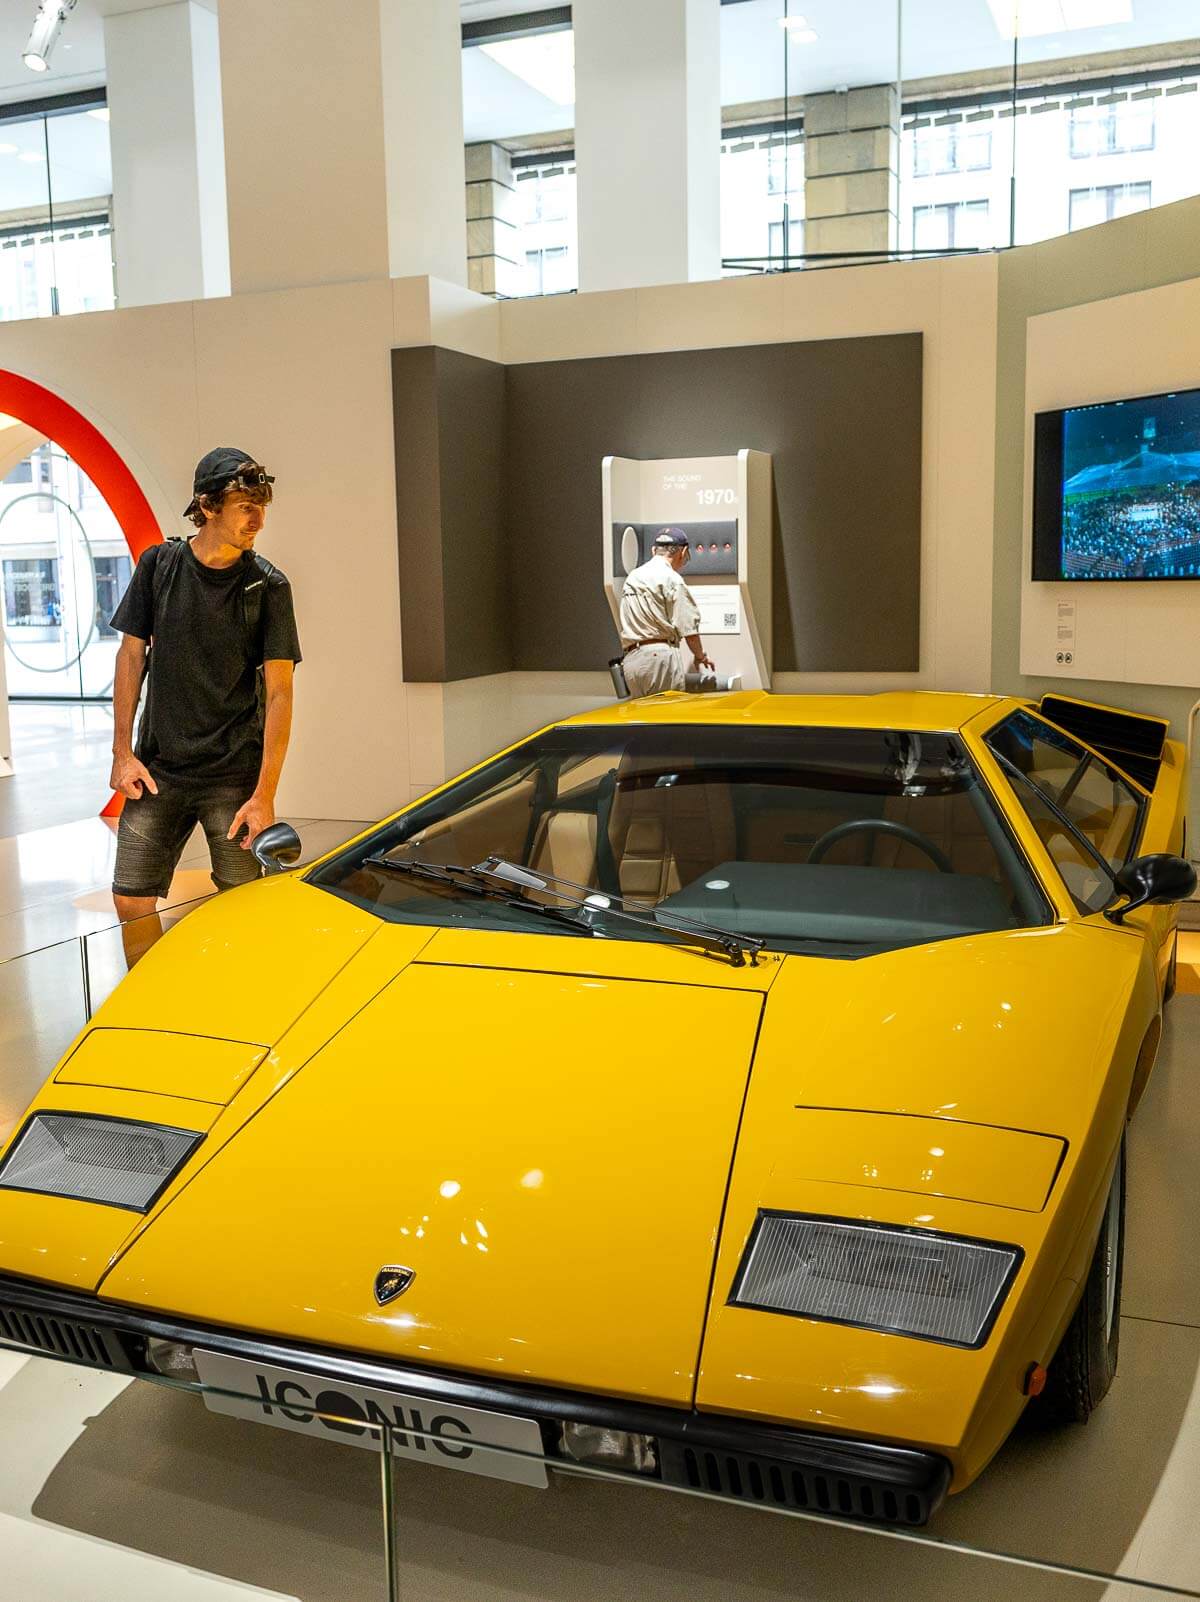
[
  {"x": 648, "y": 141},
  {"x": 493, "y": 263},
  {"x": 343, "y": 140},
  {"x": 851, "y": 159},
  {"x": 423, "y": 126},
  {"x": 170, "y": 232}
]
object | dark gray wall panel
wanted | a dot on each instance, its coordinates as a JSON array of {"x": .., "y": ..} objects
[
  {"x": 454, "y": 600},
  {"x": 475, "y": 561},
  {"x": 510, "y": 500},
  {"x": 842, "y": 421},
  {"x": 419, "y": 514}
]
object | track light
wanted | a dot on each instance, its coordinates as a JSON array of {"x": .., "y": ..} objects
[{"x": 47, "y": 25}]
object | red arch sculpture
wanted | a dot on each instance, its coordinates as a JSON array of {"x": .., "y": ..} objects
[{"x": 49, "y": 414}]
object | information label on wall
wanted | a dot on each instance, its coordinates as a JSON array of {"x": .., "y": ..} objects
[
  {"x": 1064, "y": 633},
  {"x": 720, "y": 608}
]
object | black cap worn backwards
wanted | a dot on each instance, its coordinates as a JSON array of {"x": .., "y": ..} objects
[
  {"x": 216, "y": 470},
  {"x": 670, "y": 539}
]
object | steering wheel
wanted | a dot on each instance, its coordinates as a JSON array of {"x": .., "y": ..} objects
[{"x": 901, "y": 831}]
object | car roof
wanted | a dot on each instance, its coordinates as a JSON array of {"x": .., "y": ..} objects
[{"x": 919, "y": 710}]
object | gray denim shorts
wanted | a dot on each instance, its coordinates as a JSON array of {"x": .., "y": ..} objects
[{"x": 154, "y": 830}]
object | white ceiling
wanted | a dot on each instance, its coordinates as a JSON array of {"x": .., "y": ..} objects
[{"x": 857, "y": 43}]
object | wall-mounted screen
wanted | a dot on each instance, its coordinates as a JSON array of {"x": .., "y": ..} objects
[{"x": 1116, "y": 490}]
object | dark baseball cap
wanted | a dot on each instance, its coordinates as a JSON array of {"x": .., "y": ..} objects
[
  {"x": 218, "y": 469},
  {"x": 671, "y": 538}
]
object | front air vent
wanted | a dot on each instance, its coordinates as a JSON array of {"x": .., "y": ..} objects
[
  {"x": 775, "y": 1483},
  {"x": 60, "y": 1337}
]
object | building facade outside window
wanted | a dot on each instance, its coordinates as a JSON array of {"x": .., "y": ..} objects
[
  {"x": 547, "y": 230},
  {"x": 1102, "y": 204},
  {"x": 55, "y": 213}
]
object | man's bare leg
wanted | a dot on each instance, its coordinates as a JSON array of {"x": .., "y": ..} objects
[{"x": 140, "y": 925}]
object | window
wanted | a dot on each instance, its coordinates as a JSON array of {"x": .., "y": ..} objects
[
  {"x": 795, "y": 239},
  {"x": 546, "y": 235},
  {"x": 1102, "y": 204},
  {"x": 31, "y": 599},
  {"x": 1102, "y": 811},
  {"x": 1110, "y": 130},
  {"x": 955, "y": 225},
  {"x": 546, "y": 271},
  {"x": 785, "y": 164},
  {"x": 954, "y": 149},
  {"x": 112, "y": 579}
]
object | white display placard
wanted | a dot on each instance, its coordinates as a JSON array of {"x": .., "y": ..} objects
[
  {"x": 1064, "y": 633},
  {"x": 720, "y": 608}
]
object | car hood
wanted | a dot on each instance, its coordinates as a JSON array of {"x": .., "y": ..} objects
[{"x": 546, "y": 1149}]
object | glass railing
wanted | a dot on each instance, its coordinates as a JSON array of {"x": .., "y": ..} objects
[{"x": 137, "y": 1479}]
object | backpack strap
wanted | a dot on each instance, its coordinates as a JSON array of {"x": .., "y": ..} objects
[
  {"x": 168, "y": 555},
  {"x": 253, "y": 592}
]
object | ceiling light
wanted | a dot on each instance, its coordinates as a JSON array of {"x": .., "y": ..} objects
[
  {"x": 793, "y": 22},
  {"x": 47, "y": 25},
  {"x": 802, "y": 35},
  {"x": 1026, "y": 19},
  {"x": 31, "y": 155},
  {"x": 100, "y": 113},
  {"x": 545, "y": 61},
  {"x": 8, "y": 150}
]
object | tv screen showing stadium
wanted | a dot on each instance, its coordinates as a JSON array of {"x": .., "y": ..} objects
[{"x": 1117, "y": 490}]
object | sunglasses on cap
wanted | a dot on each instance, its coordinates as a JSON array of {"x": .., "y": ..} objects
[{"x": 253, "y": 481}]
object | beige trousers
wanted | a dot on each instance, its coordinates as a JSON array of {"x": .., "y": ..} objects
[{"x": 651, "y": 669}]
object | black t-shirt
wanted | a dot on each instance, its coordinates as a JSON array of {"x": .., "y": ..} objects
[{"x": 202, "y": 721}]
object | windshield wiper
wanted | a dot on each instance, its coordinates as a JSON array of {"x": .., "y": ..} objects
[
  {"x": 600, "y": 903},
  {"x": 503, "y": 881},
  {"x": 449, "y": 876}
]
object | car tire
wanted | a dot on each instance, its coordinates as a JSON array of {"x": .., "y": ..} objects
[
  {"x": 1172, "y": 969},
  {"x": 1085, "y": 1364}
]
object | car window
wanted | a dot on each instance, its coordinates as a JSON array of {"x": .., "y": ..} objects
[
  {"x": 1099, "y": 807},
  {"x": 841, "y": 839},
  {"x": 1098, "y": 800}
]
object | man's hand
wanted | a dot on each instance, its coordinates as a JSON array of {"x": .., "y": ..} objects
[
  {"x": 131, "y": 778},
  {"x": 702, "y": 660},
  {"x": 255, "y": 815}
]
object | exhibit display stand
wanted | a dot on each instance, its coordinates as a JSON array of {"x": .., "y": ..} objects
[{"x": 724, "y": 506}]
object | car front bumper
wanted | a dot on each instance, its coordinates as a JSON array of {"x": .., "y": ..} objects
[{"x": 735, "y": 1459}]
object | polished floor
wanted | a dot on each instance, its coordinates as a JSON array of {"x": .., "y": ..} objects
[{"x": 112, "y": 1491}]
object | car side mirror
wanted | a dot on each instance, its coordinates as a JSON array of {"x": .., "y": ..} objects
[
  {"x": 276, "y": 847},
  {"x": 1159, "y": 878}
]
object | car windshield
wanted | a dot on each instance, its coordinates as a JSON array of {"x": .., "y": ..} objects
[{"x": 841, "y": 841}]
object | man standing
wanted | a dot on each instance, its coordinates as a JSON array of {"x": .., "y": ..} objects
[
  {"x": 212, "y": 738},
  {"x": 657, "y": 612}
]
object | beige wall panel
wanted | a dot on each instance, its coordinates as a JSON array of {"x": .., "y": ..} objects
[
  {"x": 463, "y": 321},
  {"x": 1137, "y": 344},
  {"x": 426, "y": 734},
  {"x": 484, "y": 715},
  {"x": 302, "y": 379},
  {"x": 729, "y": 311},
  {"x": 130, "y": 373},
  {"x": 411, "y": 324},
  {"x": 564, "y": 326}
]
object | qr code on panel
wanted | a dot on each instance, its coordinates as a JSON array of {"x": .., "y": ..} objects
[{"x": 731, "y": 620}]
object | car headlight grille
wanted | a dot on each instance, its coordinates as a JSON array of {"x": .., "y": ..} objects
[
  {"x": 117, "y": 1161},
  {"x": 876, "y": 1276}
]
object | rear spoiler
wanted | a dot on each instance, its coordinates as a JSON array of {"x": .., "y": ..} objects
[{"x": 1131, "y": 740}]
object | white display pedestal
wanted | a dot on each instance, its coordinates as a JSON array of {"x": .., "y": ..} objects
[{"x": 723, "y": 504}]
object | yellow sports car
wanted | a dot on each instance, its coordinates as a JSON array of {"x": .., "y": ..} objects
[{"x": 726, "y": 1089}]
